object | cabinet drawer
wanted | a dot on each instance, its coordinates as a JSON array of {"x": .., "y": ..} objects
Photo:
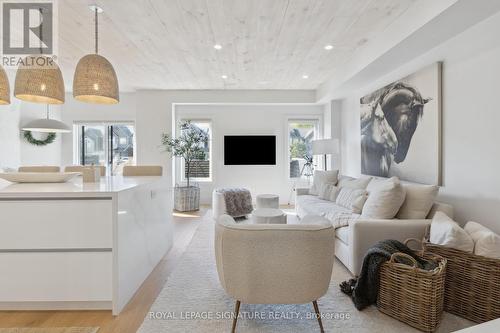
[
  {"x": 55, "y": 276},
  {"x": 49, "y": 224}
]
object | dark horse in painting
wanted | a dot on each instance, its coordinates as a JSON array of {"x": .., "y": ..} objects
[{"x": 387, "y": 127}]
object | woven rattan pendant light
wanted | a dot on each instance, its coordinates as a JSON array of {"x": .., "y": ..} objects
[
  {"x": 4, "y": 88},
  {"x": 39, "y": 79},
  {"x": 95, "y": 79}
]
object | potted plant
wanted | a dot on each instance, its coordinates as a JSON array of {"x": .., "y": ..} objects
[{"x": 189, "y": 145}]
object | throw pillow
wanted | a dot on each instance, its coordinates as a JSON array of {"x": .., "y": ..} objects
[
  {"x": 326, "y": 191},
  {"x": 353, "y": 199},
  {"x": 418, "y": 201},
  {"x": 322, "y": 177},
  {"x": 385, "y": 198},
  {"x": 354, "y": 183},
  {"x": 446, "y": 232},
  {"x": 486, "y": 242}
]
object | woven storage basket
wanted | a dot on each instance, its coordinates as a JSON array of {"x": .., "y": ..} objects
[
  {"x": 472, "y": 287},
  {"x": 410, "y": 294},
  {"x": 186, "y": 199}
]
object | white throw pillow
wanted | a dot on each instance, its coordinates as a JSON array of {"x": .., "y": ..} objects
[
  {"x": 326, "y": 191},
  {"x": 486, "y": 242},
  {"x": 322, "y": 177},
  {"x": 353, "y": 199},
  {"x": 334, "y": 193},
  {"x": 354, "y": 183},
  {"x": 418, "y": 201},
  {"x": 446, "y": 232},
  {"x": 385, "y": 198}
]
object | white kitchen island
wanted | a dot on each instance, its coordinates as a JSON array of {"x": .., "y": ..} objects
[{"x": 81, "y": 246}]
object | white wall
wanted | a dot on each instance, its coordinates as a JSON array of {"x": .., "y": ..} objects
[
  {"x": 248, "y": 120},
  {"x": 75, "y": 111},
  {"x": 151, "y": 110},
  {"x": 471, "y": 153},
  {"x": 14, "y": 149}
]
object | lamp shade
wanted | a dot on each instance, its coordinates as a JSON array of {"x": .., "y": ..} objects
[
  {"x": 325, "y": 146},
  {"x": 95, "y": 81},
  {"x": 46, "y": 126},
  {"x": 39, "y": 83},
  {"x": 4, "y": 88}
]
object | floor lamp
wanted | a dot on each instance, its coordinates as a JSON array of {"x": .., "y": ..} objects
[{"x": 325, "y": 147}]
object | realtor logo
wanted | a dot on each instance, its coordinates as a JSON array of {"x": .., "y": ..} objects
[{"x": 28, "y": 28}]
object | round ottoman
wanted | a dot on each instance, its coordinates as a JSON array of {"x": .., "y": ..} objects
[
  {"x": 268, "y": 216},
  {"x": 268, "y": 201}
]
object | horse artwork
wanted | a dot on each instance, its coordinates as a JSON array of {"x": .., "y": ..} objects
[{"x": 400, "y": 128}]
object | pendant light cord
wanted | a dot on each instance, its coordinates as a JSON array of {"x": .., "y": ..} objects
[
  {"x": 96, "y": 20},
  {"x": 41, "y": 30}
]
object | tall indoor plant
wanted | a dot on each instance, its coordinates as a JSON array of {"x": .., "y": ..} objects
[{"x": 189, "y": 145}]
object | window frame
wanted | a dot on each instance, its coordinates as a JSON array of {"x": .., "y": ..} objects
[
  {"x": 317, "y": 121},
  {"x": 181, "y": 164},
  {"x": 77, "y": 134}
]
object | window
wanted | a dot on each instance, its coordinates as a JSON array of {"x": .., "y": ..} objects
[
  {"x": 200, "y": 170},
  {"x": 301, "y": 133},
  {"x": 111, "y": 145}
]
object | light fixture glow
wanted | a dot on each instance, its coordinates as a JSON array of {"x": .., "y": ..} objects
[
  {"x": 217, "y": 46},
  {"x": 39, "y": 83},
  {"x": 223, "y": 77},
  {"x": 328, "y": 47},
  {"x": 39, "y": 79},
  {"x": 95, "y": 78},
  {"x": 305, "y": 76}
]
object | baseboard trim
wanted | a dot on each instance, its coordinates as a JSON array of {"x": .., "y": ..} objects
[{"x": 56, "y": 305}]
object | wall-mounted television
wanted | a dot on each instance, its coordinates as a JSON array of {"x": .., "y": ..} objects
[{"x": 250, "y": 150}]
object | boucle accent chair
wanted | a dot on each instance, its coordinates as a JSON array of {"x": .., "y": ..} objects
[
  {"x": 274, "y": 263},
  {"x": 142, "y": 170}
]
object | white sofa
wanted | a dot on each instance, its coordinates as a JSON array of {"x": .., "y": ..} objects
[{"x": 353, "y": 241}]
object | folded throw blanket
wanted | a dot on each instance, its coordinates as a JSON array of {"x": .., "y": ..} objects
[
  {"x": 364, "y": 289},
  {"x": 238, "y": 201}
]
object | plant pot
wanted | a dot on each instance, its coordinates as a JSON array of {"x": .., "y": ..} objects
[{"x": 186, "y": 198}]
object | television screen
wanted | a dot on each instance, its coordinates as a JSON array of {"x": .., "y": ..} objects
[{"x": 249, "y": 150}]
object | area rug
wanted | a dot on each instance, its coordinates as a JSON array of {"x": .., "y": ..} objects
[
  {"x": 193, "y": 300},
  {"x": 49, "y": 330}
]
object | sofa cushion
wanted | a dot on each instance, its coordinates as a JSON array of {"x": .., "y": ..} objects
[
  {"x": 354, "y": 183},
  {"x": 322, "y": 177},
  {"x": 352, "y": 199},
  {"x": 385, "y": 198},
  {"x": 343, "y": 234},
  {"x": 418, "y": 201},
  {"x": 313, "y": 205},
  {"x": 446, "y": 232},
  {"x": 328, "y": 191},
  {"x": 486, "y": 242}
]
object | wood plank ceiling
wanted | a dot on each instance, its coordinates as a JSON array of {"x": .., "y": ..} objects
[{"x": 266, "y": 44}]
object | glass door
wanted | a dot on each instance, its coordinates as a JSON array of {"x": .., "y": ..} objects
[{"x": 111, "y": 145}]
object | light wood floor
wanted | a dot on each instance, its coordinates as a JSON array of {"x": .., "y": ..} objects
[{"x": 132, "y": 316}]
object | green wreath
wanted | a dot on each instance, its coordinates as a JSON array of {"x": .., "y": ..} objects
[{"x": 48, "y": 140}]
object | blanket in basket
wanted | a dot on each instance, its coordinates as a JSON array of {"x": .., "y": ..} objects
[
  {"x": 364, "y": 289},
  {"x": 238, "y": 201}
]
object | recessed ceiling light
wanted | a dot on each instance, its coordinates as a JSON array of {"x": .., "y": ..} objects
[
  {"x": 223, "y": 77},
  {"x": 217, "y": 46},
  {"x": 328, "y": 47},
  {"x": 305, "y": 76}
]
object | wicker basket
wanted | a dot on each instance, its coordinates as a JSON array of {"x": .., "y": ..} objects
[
  {"x": 186, "y": 198},
  {"x": 472, "y": 287},
  {"x": 412, "y": 295}
]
